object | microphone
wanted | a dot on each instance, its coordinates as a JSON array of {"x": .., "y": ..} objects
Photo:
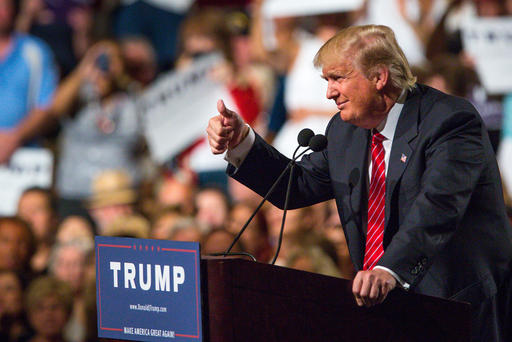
[
  {"x": 304, "y": 139},
  {"x": 316, "y": 143}
]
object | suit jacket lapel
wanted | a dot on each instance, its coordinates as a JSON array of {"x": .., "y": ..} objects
[
  {"x": 356, "y": 172},
  {"x": 401, "y": 151}
]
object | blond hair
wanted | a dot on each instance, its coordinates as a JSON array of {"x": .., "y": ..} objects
[
  {"x": 48, "y": 286},
  {"x": 368, "y": 47}
]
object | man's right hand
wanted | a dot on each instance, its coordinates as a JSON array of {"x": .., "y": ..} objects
[{"x": 226, "y": 130}]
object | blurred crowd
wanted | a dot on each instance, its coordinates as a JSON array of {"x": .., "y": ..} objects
[{"x": 71, "y": 73}]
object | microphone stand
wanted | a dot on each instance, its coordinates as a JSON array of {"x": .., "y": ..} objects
[
  {"x": 281, "y": 231},
  {"x": 316, "y": 143},
  {"x": 290, "y": 165}
]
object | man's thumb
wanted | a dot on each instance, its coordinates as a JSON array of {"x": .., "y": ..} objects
[{"x": 221, "y": 107}]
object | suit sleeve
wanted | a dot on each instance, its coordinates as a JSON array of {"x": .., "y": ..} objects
[
  {"x": 454, "y": 160},
  {"x": 262, "y": 166}
]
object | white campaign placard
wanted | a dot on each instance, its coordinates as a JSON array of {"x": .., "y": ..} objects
[
  {"x": 297, "y": 8},
  {"x": 489, "y": 42},
  {"x": 177, "y": 108},
  {"x": 27, "y": 167}
]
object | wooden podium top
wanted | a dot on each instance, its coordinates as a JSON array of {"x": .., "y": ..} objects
[{"x": 250, "y": 301}]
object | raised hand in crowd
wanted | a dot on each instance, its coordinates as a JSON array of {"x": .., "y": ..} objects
[{"x": 100, "y": 65}]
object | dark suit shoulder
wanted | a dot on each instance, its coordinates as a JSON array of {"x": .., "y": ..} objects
[{"x": 437, "y": 105}]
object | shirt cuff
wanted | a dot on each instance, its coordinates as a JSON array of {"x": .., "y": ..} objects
[
  {"x": 400, "y": 281},
  {"x": 236, "y": 156}
]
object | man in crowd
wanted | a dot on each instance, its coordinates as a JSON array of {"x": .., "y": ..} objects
[
  {"x": 413, "y": 174},
  {"x": 28, "y": 79}
]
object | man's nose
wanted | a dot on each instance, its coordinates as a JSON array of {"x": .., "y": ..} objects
[{"x": 331, "y": 92}]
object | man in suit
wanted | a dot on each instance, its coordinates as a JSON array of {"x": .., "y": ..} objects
[{"x": 413, "y": 174}]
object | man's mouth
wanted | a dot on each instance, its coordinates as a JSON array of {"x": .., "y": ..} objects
[{"x": 340, "y": 105}]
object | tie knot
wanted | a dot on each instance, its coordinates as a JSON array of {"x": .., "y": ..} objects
[{"x": 377, "y": 138}]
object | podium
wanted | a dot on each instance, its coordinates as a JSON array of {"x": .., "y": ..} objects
[{"x": 245, "y": 301}]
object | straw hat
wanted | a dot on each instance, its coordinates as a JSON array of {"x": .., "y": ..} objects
[
  {"x": 130, "y": 225},
  {"x": 112, "y": 187}
]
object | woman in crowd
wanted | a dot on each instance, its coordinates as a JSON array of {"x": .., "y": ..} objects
[
  {"x": 48, "y": 304},
  {"x": 101, "y": 125}
]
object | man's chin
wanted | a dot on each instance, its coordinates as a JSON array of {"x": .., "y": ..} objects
[{"x": 348, "y": 118}]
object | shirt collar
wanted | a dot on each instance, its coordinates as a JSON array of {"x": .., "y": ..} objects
[{"x": 388, "y": 126}]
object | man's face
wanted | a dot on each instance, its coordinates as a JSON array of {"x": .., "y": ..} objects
[
  {"x": 14, "y": 247},
  {"x": 11, "y": 294},
  {"x": 355, "y": 95},
  {"x": 70, "y": 266},
  {"x": 35, "y": 208},
  {"x": 48, "y": 317}
]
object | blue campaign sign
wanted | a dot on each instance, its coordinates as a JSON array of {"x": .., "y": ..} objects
[{"x": 148, "y": 290}]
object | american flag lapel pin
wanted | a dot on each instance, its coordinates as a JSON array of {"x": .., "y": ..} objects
[{"x": 403, "y": 158}]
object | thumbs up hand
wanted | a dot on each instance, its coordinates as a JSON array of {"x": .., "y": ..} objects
[{"x": 226, "y": 130}]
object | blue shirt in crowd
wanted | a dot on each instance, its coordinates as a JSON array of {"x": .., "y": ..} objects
[{"x": 28, "y": 78}]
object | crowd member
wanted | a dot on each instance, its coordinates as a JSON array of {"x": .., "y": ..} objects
[
  {"x": 140, "y": 60},
  {"x": 176, "y": 191},
  {"x": 101, "y": 126},
  {"x": 66, "y": 26},
  {"x": 333, "y": 231},
  {"x": 292, "y": 53},
  {"x": 204, "y": 33},
  {"x": 68, "y": 264},
  {"x": 412, "y": 21},
  {"x": 218, "y": 241},
  {"x": 212, "y": 207},
  {"x": 28, "y": 79},
  {"x": 187, "y": 229},
  {"x": 48, "y": 303},
  {"x": 449, "y": 199},
  {"x": 37, "y": 207},
  {"x": 255, "y": 238},
  {"x": 113, "y": 196},
  {"x": 17, "y": 246},
  {"x": 74, "y": 228},
  {"x": 13, "y": 324},
  {"x": 448, "y": 74},
  {"x": 298, "y": 225},
  {"x": 163, "y": 223},
  {"x": 447, "y": 38},
  {"x": 157, "y": 20},
  {"x": 297, "y": 220},
  {"x": 131, "y": 225},
  {"x": 312, "y": 259}
]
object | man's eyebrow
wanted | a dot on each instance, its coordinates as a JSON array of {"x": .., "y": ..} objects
[{"x": 335, "y": 73}]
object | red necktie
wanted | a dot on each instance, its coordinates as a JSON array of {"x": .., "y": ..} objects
[{"x": 376, "y": 204}]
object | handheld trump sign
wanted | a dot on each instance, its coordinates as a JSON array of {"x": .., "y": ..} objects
[{"x": 148, "y": 290}]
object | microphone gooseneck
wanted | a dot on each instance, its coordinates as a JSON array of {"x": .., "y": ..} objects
[
  {"x": 306, "y": 138},
  {"x": 316, "y": 143}
]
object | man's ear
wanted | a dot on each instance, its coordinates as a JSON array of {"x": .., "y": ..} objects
[{"x": 381, "y": 77}]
